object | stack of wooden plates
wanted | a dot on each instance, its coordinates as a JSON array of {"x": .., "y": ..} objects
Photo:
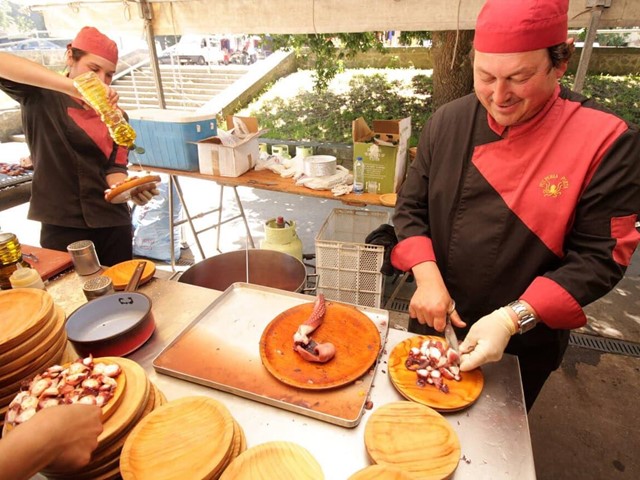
[
  {"x": 32, "y": 338},
  {"x": 197, "y": 435},
  {"x": 413, "y": 438},
  {"x": 274, "y": 460},
  {"x": 138, "y": 398}
]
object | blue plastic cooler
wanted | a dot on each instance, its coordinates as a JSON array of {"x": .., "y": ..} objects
[{"x": 165, "y": 136}]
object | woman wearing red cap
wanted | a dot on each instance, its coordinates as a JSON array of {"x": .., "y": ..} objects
[
  {"x": 522, "y": 201},
  {"x": 75, "y": 159}
]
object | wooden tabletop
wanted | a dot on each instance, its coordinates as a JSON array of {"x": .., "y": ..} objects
[{"x": 267, "y": 180}]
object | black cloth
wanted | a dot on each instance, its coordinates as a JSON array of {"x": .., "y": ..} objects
[
  {"x": 113, "y": 244},
  {"x": 385, "y": 235}
]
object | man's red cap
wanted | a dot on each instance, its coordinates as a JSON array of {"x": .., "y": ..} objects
[
  {"x": 510, "y": 26},
  {"x": 91, "y": 40}
]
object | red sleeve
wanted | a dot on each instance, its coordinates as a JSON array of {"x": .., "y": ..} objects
[
  {"x": 412, "y": 251},
  {"x": 555, "y": 307}
]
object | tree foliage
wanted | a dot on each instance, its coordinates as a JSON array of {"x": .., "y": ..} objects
[
  {"x": 328, "y": 50},
  {"x": 13, "y": 18}
]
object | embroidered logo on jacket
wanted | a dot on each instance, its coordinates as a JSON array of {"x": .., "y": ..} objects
[{"x": 552, "y": 186}]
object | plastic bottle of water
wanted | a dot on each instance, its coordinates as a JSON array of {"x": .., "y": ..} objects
[
  {"x": 95, "y": 94},
  {"x": 358, "y": 175}
]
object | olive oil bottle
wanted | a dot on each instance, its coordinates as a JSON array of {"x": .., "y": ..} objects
[
  {"x": 95, "y": 94},
  {"x": 10, "y": 257}
]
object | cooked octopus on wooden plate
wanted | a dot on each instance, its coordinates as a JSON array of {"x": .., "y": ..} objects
[
  {"x": 86, "y": 380},
  {"x": 319, "y": 345},
  {"x": 438, "y": 383}
]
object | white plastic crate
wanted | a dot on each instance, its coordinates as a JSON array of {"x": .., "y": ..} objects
[{"x": 348, "y": 268}]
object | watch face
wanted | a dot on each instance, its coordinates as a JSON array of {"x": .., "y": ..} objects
[{"x": 527, "y": 324}]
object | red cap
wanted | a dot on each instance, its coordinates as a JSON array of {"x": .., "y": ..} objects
[
  {"x": 510, "y": 26},
  {"x": 90, "y": 40}
]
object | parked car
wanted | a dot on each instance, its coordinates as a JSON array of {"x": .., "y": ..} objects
[
  {"x": 194, "y": 49},
  {"x": 34, "y": 44}
]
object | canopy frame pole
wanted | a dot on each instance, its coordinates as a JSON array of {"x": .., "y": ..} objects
[
  {"x": 596, "y": 7},
  {"x": 146, "y": 13}
]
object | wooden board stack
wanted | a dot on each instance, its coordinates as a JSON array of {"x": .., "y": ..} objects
[
  {"x": 192, "y": 434},
  {"x": 32, "y": 338}
]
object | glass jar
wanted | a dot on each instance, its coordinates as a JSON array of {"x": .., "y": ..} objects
[{"x": 10, "y": 257}]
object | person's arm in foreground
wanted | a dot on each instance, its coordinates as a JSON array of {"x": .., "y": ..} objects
[
  {"x": 22, "y": 70},
  {"x": 58, "y": 438}
]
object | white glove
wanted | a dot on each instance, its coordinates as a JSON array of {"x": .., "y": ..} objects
[
  {"x": 142, "y": 197},
  {"x": 486, "y": 340}
]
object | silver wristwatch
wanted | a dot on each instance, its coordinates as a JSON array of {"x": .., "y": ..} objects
[{"x": 526, "y": 319}]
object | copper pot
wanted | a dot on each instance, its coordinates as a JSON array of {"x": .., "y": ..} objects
[{"x": 268, "y": 268}]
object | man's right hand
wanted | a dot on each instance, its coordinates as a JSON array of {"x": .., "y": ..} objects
[{"x": 431, "y": 301}]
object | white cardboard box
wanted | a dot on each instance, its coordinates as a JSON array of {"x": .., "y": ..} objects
[{"x": 215, "y": 158}]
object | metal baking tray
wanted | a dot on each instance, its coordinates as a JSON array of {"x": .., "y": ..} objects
[{"x": 221, "y": 349}]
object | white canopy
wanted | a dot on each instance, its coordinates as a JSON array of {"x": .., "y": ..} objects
[{"x": 64, "y": 18}]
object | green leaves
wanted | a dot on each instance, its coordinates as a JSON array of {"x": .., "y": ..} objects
[{"x": 326, "y": 116}]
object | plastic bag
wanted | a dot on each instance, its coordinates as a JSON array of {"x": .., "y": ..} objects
[{"x": 151, "y": 225}]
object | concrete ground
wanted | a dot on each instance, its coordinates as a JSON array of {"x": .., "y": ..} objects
[{"x": 585, "y": 424}]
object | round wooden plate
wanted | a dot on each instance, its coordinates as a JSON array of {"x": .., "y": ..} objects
[
  {"x": 121, "y": 273},
  {"x": 273, "y": 460},
  {"x": 461, "y": 394},
  {"x": 354, "y": 335},
  {"x": 413, "y": 438},
  {"x": 191, "y": 434},
  {"x": 132, "y": 186},
  {"x": 24, "y": 310},
  {"x": 32, "y": 348},
  {"x": 389, "y": 199},
  {"x": 380, "y": 472}
]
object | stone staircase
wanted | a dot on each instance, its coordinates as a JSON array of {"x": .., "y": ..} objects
[{"x": 186, "y": 87}]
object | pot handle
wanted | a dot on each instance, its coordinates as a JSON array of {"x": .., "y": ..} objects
[{"x": 135, "y": 278}]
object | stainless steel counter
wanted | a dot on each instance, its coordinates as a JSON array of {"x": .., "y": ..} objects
[{"x": 494, "y": 432}]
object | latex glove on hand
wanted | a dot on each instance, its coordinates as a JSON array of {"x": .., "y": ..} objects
[
  {"x": 142, "y": 197},
  {"x": 486, "y": 340}
]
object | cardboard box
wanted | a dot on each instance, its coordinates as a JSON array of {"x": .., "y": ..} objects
[
  {"x": 168, "y": 137},
  {"x": 383, "y": 149},
  {"x": 232, "y": 153}
]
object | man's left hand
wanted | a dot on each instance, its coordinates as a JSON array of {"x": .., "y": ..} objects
[{"x": 486, "y": 340}]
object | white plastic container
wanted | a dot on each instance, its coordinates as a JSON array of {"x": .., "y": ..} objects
[
  {"x": 320, "y": 165},
  {"x": 26, "y": 278},
  {"x": 348, "y": 268}
]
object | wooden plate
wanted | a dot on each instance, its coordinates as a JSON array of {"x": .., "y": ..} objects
[
  {"x": 32, "y": 348},
  {"x": 354, "y": 335},
  {"x": 272, "y": 460},
  {"x": 23, "y": 312},
  {"x": 461, "y": 394},
  {"x": 133, "y": 402},
  {"x": 413, "y": 438},
  {"x": 389, "y": 199},
  {"x": 130, "y": 187},
  {"x": 380, "y": 472},
  {"x": 121, "y": 273},
  {"x": 191, "y": 434}
]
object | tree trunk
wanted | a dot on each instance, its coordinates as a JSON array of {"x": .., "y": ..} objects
[{"x": 451, "y": 80}]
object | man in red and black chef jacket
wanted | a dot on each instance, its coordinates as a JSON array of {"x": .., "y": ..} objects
[{"x": 522, "y": 201}]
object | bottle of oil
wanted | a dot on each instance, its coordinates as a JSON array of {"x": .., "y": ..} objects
[
  {"x": 10, "y": 257},
  {"x": 95, "y": 94}
]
